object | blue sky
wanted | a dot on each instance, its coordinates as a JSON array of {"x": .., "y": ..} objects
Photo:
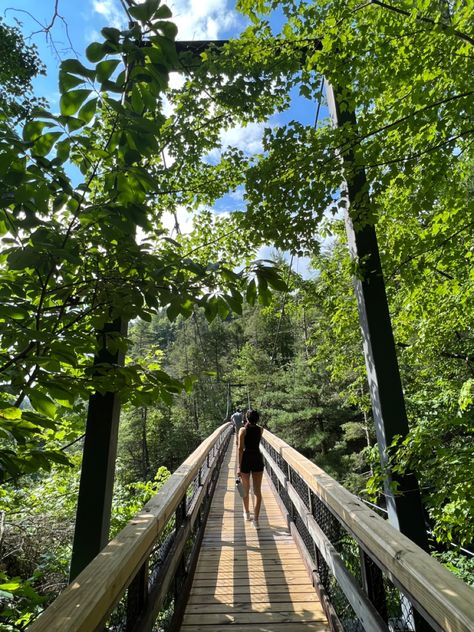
[
  {"x": 83, "y": 20},
  {"x": 80, "y": 21}
]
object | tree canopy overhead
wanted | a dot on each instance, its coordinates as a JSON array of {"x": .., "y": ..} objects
[
  {"x": 79, "y": 255},
  {"x": 84, "y": 192},
  {"x": 84, "y": 241}
]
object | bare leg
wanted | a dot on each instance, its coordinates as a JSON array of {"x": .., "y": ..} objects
[
  {"x": 246, "y": 485},
  {"x": 257, "y": 490}
]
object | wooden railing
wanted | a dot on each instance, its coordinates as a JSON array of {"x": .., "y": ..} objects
[
  {"x": 144, "y": 572},
  {"x": 370, "y": 576}
]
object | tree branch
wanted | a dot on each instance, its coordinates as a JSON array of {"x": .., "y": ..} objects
[
  {"x": 389, "y": 7},
  {"x": 431, "y": 249}
]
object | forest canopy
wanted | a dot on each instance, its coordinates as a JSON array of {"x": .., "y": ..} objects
[{"x": 85, "y": 190}]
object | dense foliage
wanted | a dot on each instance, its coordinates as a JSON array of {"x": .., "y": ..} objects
[{"x": 84, "y": 242}]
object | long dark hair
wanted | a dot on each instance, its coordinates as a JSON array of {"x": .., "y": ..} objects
[{"x": 252, "y": 417}]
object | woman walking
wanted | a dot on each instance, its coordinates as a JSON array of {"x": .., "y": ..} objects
[{"x": 251, "y": 462}]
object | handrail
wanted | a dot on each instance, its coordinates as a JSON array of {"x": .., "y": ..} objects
[
  {"x": 86, "y": 603},
  {"x": 443, "y": 600}
]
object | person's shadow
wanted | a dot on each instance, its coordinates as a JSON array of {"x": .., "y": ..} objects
[{"x": 251, "y": 580}]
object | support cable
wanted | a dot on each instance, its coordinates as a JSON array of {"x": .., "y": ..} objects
[
  {"x": 316, "y": 122},
  {"x": 275, "y": 342}
]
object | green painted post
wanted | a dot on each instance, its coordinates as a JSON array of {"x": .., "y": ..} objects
[
  {"x": 405, "y": 509},
  {"x": 98, "y": 464}
]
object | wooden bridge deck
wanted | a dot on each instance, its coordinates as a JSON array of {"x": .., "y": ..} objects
[{"x": 248, "y": 580}]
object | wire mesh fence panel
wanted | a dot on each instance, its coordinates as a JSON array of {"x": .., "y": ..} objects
[
  {"x": 348, "y": 549},
  {"x": 160, "y": 552},
  {"x": 164, "y": 620},
  {"x": 301, "y": 487},
  {"x": 118, "y": 618},
  {"x": 326, "y": 520},
  {"x": 343, "y": 609},
  {"x": 193, "y": 489},
  {"x": 306, "y": 537},
  {"x": 338, "y": 599}
]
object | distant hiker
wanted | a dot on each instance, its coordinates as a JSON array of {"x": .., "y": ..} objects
[
  {"x": 237, "y": 420},
  {"x": 251, "y": 461}
]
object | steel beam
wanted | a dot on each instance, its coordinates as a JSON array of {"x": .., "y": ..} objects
[
  {"x": 404, "y": 505},
  {"x": 98, "y": 463}
]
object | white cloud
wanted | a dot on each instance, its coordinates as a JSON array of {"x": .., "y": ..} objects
[
  {"x": 111, "y": 11},
  {"x": 196, "y": 19},
  {"x": 203, "y": 19},
  {"x": 247, "y": 138}
]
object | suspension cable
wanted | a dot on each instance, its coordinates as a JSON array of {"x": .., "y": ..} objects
[{"x": 316, "y": 122}]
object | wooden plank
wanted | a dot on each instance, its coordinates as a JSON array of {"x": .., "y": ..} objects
[
  {"x": 301, "y": 607},
  {"x": 253, "y": 572},
  {"x": 448, "y": 601},
  {"x": 270, "y": 594},
  {"x": 230, "y": 555},
  {"x": 245, "y": 589},
  {"x": 279, "y": 580},
  {"x": 248, "y": 577},
  {"x": 249, "y": 557},
  {"x": 279, "y": 546},
  {"x": 252, "y": 618},
  {"x": 319, "y": 626},
  {"x": 260, "y": 565}
]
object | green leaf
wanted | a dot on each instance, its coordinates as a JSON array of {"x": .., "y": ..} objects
[
  {"x": 106, "y": 68},
  {"x": 38, "y": 420},
  {"x": 10, "y": 413},
  {"x": 169, "y": 29},
  {"x": 74, "y": 123},
  {"x": 45, "y": 143},
  {"x": 68, "y": 82},
  {"x": 11, "y": 585},
  {"x": 173, "y": 311},
  {"x": 57, "y": 457},
  {"x": 8, "y": 312},
  {"x": 71, "y": 101},
  {"x": 86, "y": 113},
  {"x": 95, "y": 52},
  {"x": 42, "y": 403},
  {"x": 111, "y": 34},
  {"x": 144, "y": 11},
  {"x": 234, "y": 303},
  {"x": 63, "y": 149},
  {"x": 34, "y": 129},
  {"x": 251, "y": 294},
  {"x": 163, "y": 12},
  {"x": 75, "y": 66}
]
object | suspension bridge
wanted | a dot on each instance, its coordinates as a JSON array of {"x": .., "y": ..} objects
[{"x": 322, "y": 560}]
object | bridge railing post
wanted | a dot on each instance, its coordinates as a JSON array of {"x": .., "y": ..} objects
[
  {"x": 373, "y": 584},
  {"x": 137, "y": 597}
]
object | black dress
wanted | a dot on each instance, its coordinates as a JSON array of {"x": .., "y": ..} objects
[{"x": 252, "y": 459}]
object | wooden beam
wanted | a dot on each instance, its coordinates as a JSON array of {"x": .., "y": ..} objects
[{"x": 405, "y": 509}]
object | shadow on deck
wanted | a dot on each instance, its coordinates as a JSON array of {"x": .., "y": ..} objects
[{"x": 246, "y": 579}]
